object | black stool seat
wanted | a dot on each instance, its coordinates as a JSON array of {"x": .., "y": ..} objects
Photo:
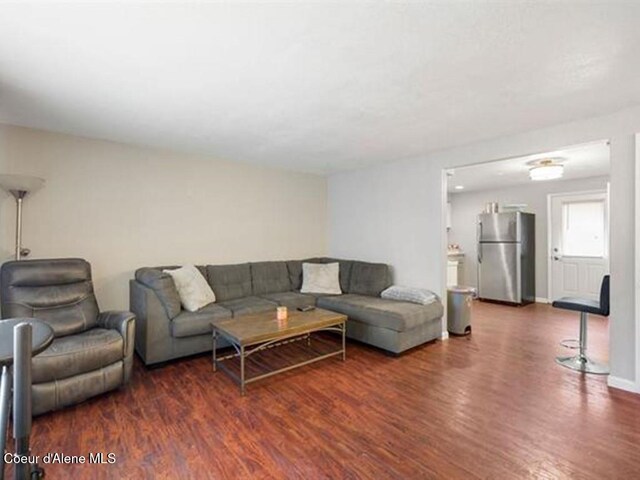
[{"x": 579, "y": 305}]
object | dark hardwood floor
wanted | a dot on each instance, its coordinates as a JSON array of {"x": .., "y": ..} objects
[{"x": 490, "y": 405}]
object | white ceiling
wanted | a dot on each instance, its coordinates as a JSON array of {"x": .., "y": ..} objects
[
  {"x": 580, "y": 161},
  {"x": 320, "y": 86}
]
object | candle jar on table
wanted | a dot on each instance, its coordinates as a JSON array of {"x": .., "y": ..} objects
[{"x": 281, "y": 313}]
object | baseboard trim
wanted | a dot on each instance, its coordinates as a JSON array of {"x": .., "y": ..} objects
[
  {"x": 623, "y": 384},
  {"x": 542, "y": 300},
  {"x": 444, "y": 335}
]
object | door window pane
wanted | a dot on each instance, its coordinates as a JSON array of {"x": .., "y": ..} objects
[{"x": 583, "y": 229}]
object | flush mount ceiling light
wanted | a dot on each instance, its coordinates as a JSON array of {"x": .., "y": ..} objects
[
  {"x": 459, "y": 187},
  {"x": 547, "y": 169}
]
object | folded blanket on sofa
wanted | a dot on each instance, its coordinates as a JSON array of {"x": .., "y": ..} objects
[{"x": 409, "y": 294}]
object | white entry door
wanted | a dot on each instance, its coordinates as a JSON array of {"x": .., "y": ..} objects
[{"x": 579, "y": 244}]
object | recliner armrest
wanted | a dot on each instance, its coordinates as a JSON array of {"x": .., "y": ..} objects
[{"x": 122, "y": 321}]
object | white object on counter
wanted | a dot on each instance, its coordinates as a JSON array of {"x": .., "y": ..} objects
[
  {"x": 455, "y": 264},
  {"x": 452, "y": 273}
]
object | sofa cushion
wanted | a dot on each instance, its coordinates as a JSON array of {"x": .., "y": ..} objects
[
  {"x": 291, "y": 299},
  {"x": 249, "y": 306},
  {"x": 294, "y": 267},
  {"x": 188, "y": 324},
  {"x": 369, "y": 278},
  {"x": 163, "y": 286},
  {"x": 230, "y": 281},
  {"x": 75, "y": 354},
  {"x": 270, "y": 277},
  {"x": 390, "y": 314}
]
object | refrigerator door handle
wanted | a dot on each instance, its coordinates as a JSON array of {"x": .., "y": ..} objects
[{"x": 479, "y": 233}]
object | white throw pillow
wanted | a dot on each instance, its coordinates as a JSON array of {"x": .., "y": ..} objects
[
  {"x": 321, "y": 278},
  {"x": 193, "y": 289}
]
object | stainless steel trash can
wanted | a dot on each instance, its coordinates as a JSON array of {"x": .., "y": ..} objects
[{"x": 459, "y": 309}]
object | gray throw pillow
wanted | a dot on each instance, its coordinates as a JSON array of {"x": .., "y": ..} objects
[{"x": 421, "y": 296}]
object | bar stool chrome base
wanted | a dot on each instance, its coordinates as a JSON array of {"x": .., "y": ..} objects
[{"x": 583, "y": 364}]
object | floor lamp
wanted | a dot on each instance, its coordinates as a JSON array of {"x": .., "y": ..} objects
[{"x": 19, "y": 186}]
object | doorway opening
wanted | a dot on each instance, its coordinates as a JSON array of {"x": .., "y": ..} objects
[{"x": 525, "y": 231}]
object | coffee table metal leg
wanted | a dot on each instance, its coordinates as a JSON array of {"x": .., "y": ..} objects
[
  {"x": 215, "y": 342},
  {"x": 242, "y": 369}
]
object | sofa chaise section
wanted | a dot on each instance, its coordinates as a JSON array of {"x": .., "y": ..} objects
[
  {"x": 388, "y": 324},
  {"x": 392, "y": 325}
]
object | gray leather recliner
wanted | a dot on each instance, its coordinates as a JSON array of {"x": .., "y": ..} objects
[{"x": 92, "y": 351}]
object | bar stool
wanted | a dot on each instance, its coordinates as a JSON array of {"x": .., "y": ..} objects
[
  {"x": 20, "y": 339},
  {"x": 581, "y": 362}
]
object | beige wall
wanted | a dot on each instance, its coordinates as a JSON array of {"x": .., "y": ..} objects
[{"x": 122, "y": 207}]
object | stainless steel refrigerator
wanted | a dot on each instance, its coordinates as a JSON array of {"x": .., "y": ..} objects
[{"x": 506, "y": 257}]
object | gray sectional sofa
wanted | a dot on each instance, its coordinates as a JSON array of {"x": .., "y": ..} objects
[{"x": 164, "y": 331}]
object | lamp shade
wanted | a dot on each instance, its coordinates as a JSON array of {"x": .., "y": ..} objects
[{"x": 19, "y": 185}]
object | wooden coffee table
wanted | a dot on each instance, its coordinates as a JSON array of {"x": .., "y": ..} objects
[{"x": 254, "y": 333}]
